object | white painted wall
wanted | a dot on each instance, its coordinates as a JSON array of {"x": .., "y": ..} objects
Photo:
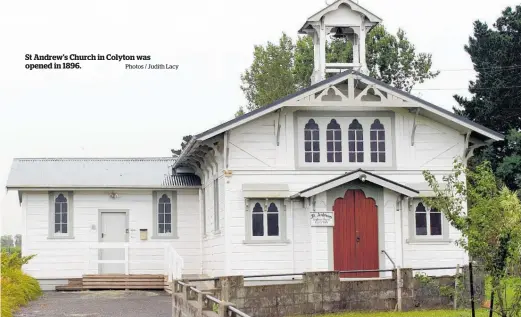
[
  {"x": 256, "y": 158},
  {"x": 67, "y": 258}
]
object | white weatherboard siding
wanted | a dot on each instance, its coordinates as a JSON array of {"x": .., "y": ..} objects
[
  {"x": 258, "y": 159},
  {"x": 253, "y": 146},
  {"x": 69, "y": 257}
]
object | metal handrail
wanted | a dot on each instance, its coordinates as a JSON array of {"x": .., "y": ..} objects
[
  {"x": 365, "y": 271},
  {"x": 389, "y": 257},
  {"x": 274, "y": 275}
]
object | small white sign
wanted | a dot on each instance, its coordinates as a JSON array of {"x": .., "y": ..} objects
[{"x": 322, "y": 219}]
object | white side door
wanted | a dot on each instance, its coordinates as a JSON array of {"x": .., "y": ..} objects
[{"x": 113, "y": 229}]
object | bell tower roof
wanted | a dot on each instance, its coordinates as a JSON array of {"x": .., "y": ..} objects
[{"x": 335, "y": 7}]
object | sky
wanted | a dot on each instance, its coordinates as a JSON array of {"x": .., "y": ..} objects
[{"x": 104, "y": 110}]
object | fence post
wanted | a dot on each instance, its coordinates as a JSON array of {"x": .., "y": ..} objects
[
  {"x": 399, "y": 285},
  {"x": 456, "y": 287}
]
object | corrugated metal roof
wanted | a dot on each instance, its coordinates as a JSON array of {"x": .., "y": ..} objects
[{"x": 146, "y": 172}]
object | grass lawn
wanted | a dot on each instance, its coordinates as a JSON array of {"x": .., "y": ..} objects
[{"x": 417, "y": 313}]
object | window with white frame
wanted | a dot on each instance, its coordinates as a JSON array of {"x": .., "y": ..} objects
[
  {"x": 334, "y": 141},
  {"x": 311, "y": 142},
  {"x": 355, "y": 136},
  {"x": 266, "y": 219},
  {"x": 165, "y": 215},
  {"x": 60, "y": 215},
  {"x": 427, "y": 221},
  {"x": 377, "y": 135}
]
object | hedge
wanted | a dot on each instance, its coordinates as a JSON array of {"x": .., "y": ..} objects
[{"x": 18, "y": 288}]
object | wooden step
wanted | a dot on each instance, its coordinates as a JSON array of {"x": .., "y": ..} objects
[{"x": 69, "y": 288}]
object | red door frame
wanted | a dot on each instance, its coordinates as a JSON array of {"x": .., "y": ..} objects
[{"x": 355, "y": 234}]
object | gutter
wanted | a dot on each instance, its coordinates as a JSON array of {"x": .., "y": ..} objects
[{"x": 187, "y": 149}]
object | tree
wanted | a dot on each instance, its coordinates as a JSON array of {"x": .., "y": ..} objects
[
  {"x": 186, "y": 140},
  {"x": 490, "y": 228},
  {"x": 496, "y": 92},
  {"x": 281, "y": 69},
  {"x": 7, "y": 240}
]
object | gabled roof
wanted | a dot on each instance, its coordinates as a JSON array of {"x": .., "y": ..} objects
[
  {"x": 417, "y": 102},
  {"x": 365, "y": 176},
  {"x": 131, "y": 173}
]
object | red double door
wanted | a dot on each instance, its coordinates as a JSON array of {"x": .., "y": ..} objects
[{"x": 355, "y": 234}]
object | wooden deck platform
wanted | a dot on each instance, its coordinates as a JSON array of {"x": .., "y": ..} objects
[{"x": 116, "y": 282}]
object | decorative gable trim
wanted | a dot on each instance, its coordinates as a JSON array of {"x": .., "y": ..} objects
[{"x": 362, "y": 175}]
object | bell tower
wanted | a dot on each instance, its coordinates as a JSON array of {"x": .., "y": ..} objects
[{"x": 340, "y": 19}]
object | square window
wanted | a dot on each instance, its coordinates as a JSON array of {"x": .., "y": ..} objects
[
  {"x": 338, "y": 157},
  {"x": 352, "y": 157},
  {"x": 57, "y": 217},
  {"x": 307, "y": 146},
  {"x": 338, "y": 146},
  {"x": 168, "y": 228},
  {"x": 360, "y": 157},
  {"x": 373, "y": 135},
  {"x": 435, "y": 218},
  {"x": 315, "y": 134},
  {"x": 381, "y": 157},
  {"x": 329, "y": 134},
  {"x": 64, "y": 217},
  {"x": 257, "y": 225},
  {"x": 373, "y": 146},
  {"x": 351, "y": 146},
  {"x": 273, "y": 224},
  {"x": 168, "y": 218},
  {"x": 381, "y": 135},
  {"x": 374, "y": 157},
  {"x": 316, "y": 146},
  {"x": 351, "y": 134},
  {"x": 381, "y": 146},
  {"x": 57, "y": 228},
  {"x": 161, "y": 228},
  {"x": 64, "y": 228},
  {"x": 330, "y": 157},
  {"x": 307, "y": 157},
  {"x": 316, "y": 157},
  {"x": 338, "y": 135},
  {"x": 307, "y": 135},
  {"x": 330, "y": 146},
  {"x": 161, "y": 218},
  {"x": 359, "y": 146},
  {"x": 421, "y": 224},
  {"x": 359, "y": 135}
]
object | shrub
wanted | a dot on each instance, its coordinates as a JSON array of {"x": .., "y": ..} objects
[{"x": 18, "y": 288}]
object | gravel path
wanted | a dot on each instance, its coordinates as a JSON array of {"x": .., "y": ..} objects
[{"x": 99, "y": 304}]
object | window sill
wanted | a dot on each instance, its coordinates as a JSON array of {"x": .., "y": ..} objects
[
  {"x": 428, "y": 241},
  {"x": 60, "y": 237},
  {"x": 267, "y": 242},
  {"x": 165, "y": 237}
]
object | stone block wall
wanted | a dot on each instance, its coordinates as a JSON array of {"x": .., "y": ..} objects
[{"x": 325, "y": 292}]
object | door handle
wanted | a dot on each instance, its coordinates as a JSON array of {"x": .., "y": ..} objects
[
  {"x": 357, "y": 237},
  {"x": 126, "y": 230},
  {"x": 102, "y": 235}
]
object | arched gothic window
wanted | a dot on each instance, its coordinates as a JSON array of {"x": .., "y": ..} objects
[
  {"x": 334, "y": 142},
  {"x": 355, "y": 136},
  {"x": 60, "y": 214},
  {"x": 311, "y": 142},
  {"x": 377, "y": 135},
  {"x": 164, "y": 215}
]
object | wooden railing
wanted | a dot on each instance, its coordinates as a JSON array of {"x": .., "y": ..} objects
[
  {"x": 206, "y": 301},
  {"x": 171, "y": 262}
]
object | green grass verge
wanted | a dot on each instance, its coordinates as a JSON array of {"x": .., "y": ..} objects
[{"x": 18, "y": 288}]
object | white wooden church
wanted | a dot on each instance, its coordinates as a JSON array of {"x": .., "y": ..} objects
[{"x": 328, "y": 178}]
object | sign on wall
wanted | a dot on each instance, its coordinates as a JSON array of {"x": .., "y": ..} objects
[{"x": 322, "y": 219}]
